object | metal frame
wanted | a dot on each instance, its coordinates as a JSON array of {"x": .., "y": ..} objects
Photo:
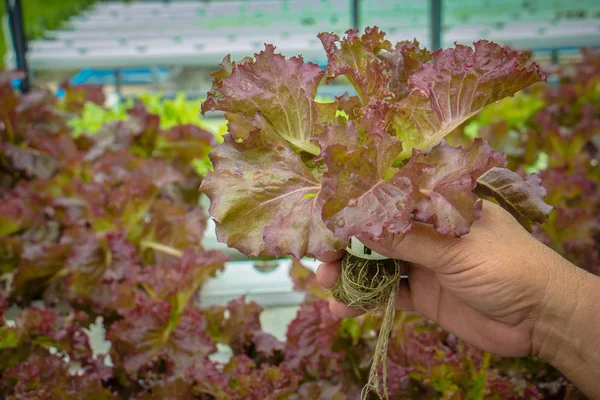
[
  {"x": 19, "y": 41},
  {"x": 355, "y": 7},
  {"x": 435, "y": 23}
]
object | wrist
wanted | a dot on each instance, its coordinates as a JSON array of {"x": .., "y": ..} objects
[{"x": 567, "y": 329}]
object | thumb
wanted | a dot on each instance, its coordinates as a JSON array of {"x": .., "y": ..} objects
[{"x": 421, "y": 245}]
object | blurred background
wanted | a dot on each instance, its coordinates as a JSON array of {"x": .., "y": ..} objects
[{"x": 135, "y": 47}]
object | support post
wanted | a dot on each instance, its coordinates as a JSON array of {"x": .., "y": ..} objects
[
  {"x": 435, "y": 23},
  {"x": 19, "y": 41},
  {"x": 355, "y": 8},
  {"x": 118, "y": 82},
  {"x": 554, "y": 56}
]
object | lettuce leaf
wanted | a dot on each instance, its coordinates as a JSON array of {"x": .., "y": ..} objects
[
  {"x": 269, "y": 205},
  {"x": 155, "y": 332},
  {"x": 296, "y": 176},
  {"x": 279, "y": 90},
  {"x": 459, "y": 83}
]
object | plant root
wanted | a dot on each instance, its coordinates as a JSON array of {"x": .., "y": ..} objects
[{"x": 371, "y": 285}]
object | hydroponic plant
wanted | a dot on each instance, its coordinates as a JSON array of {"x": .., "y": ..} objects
[
  {"x": 295, "y": 176},
  {"x": 97, "y": 227}
]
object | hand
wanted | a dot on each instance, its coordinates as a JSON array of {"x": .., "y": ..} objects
[{"x": 487, "y": 287}]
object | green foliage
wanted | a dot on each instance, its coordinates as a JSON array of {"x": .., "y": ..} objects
[
  {"x": 93, "y": 117},
  {"x": 172, "y": 112},
  {"x": 514, "y": 111}
]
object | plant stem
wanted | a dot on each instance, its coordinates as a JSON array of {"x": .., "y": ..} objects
[
  {"x": 9, "y": 129},
  {"x": 162, "y": 248}
]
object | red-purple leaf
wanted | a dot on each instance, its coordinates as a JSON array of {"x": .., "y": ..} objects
[
  {"x": 181, "y": 280},
  {"x": 39, "y": 265},
  {"x": 48, "y": 378},
  {"x": 355, "y": 57},
  {"x": 31, "y": 162},
  {"x": 234, "y": 324},
  {"x": 445, "y": 178},
  {"x": 100, "y": 270},
  {"x": 360, "y": 198},
  {"x": 173, "y": 225},
  {"x": 523, "y": 198},
  {"x": 456, "y": 86},
  {"x": 402, "y": 62},
  {"x": 154, "y": 332},
  {"x": 270, "y": 206},
  {"x": 280, "y": 90},
  {"x": 310, "y": 340},
  {"x": 240, "y": 378}
]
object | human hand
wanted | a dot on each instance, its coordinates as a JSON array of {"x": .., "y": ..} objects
[{"x": 487, "y": 287}]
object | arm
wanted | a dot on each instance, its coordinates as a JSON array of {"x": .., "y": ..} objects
[{"x": 567, "y": 334}]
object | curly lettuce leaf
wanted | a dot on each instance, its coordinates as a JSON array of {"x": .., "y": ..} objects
[
  {"x": 168, "y": 229},
  {"x": 242, "y": 378},
  {"x": 238, "y": 326},
  {"x": 280, "y": 90},
  {"x": 49, "y": 377},
  {"x": 38, "y": 267},
  {"x": 154, "y": 332},
  {"x": 403, "y": 61},
  {"x": 265, "y": 200},
  {"x": 355, "y": 57},
  {"x": 523, "y": 198},
  {"x": 359, "y": 197},
  {"x": 98, "y": 260},
  {"x": 459, "y": 83},
  {"x": 310, "y": 341},
  {"x": 29, "y": 161},
  {"x": 435, "y": 188},
  {"x": 178, "y": 282},
  {"x": 446, "y": 178}
]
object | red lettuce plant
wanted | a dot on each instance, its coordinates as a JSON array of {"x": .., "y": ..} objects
[
  {"x": 295, "y": 176},
  {"x": 98, "y": 227}
]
